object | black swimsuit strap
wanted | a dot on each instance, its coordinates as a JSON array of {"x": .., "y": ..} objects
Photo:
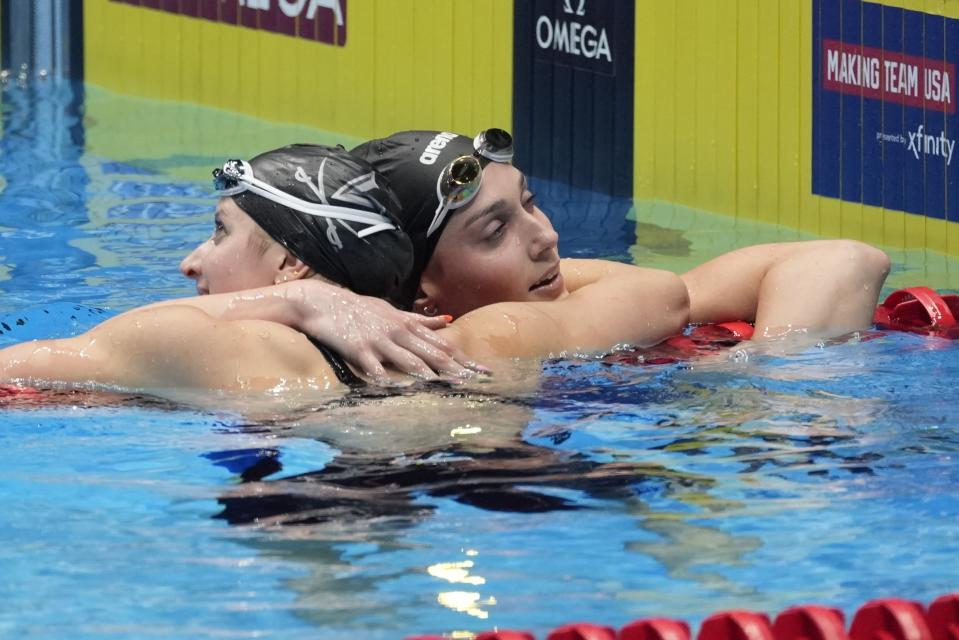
[{"x": 343, "y": 372}]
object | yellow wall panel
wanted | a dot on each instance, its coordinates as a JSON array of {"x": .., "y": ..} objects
[
  {"x": 747, "y": 109},
  {"x": 210, "y": 57},
  {"x": 706, "y": 120},
  {"x": 189, "y": 34},
  {"x": 872, "y": 225},
  {"x": 810, "y": 213},
  {"x": 388, "y": 105},
  {"x": 168, "y": 75},
  {"x": 423, "y": 63},
  {"x": 726, "y": 104},
  {"x": 952, "y": 239},
  {"x": 789, "y": 110},
  {"x": 915, "y": 232},
  {"x": 664, "y": 96},
  {"x": 464, "y": 56},
  {"x": 644, "y": 125},
  {"x": 684, "y": 84},
  {"x": 893, "y": 229},
  {"x": 851, "y": 220},
  {"x": 768, "y": 153},
  {"x": 830, "y": 217},
  {"x": 936, "y": 235}
]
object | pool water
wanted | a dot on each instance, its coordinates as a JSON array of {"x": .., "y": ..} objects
[{"x": 758, "y": 479}]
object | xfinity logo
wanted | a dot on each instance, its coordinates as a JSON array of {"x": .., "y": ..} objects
[{"x": 920, "y": 142}]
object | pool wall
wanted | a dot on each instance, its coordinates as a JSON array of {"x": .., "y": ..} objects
[{"x": 728, "y": 106}]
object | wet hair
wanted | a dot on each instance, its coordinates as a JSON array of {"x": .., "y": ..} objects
[
  {"x": 412, "y": 161},
  {"x": 377, "y": 264}
]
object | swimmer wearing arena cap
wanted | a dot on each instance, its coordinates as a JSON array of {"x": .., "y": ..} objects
[{"x": 485, "y": 253}]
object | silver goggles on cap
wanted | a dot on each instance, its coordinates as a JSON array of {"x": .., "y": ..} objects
[{"x": 460, "y": 180}]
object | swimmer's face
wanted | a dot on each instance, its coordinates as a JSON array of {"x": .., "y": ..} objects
[
  {"x": 499, "y": 248},
  {"x": 239, "y": 255}
]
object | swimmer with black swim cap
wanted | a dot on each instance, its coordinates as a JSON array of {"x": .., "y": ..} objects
[
  {"x": 434, "y": 173},
  {"x": 485, "y": 253},
  {"x": 304, "y": 215},
  {"x": 328, "y": 209}
]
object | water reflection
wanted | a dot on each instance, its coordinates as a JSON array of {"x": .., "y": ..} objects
[{"x": 684, "y": 453}]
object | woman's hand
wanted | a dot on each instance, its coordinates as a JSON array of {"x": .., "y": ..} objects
[{"x": 369, "y": 333}]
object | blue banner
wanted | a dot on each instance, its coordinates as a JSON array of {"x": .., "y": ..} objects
[
  {"x": 573, "y": 92},
  {"x": 884, "y": 107}
]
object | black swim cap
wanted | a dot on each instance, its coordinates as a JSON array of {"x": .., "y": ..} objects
[
  {"x": 369, "y": 258},
  {"x": 412, "y": 162}
]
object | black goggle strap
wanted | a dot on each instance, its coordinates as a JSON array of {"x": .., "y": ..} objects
[{"x": 237, "y": 177}]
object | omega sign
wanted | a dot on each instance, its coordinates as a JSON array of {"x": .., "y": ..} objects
[
  {"x": 322, "y": 20},
  {"x": 572, "y": 34}
]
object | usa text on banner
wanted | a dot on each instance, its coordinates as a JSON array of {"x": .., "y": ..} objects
[{"x": 320, "y": 20}]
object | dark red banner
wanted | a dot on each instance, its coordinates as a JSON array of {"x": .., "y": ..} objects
[
  {"x": 889, "y": 76},
  {"x": 320, "y": 20}
]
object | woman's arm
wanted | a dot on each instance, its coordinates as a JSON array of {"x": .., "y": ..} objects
[
  {"x": 578, "y": 272},
  {"x": 367, "y": 332},
  {"x": 822, "y": 287},
  {"x": 611, "y": 304},
  {"x": 171, "y": 348}
]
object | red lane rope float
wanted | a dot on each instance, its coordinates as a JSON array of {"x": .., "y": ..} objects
[
  {"x": 736, "y": 625},
  {"x": 702, "y": 340},
  {"x": 582, "y": 631},
  {"x": 655, "y": 629},
  {"x": 9, "y": 390},
  {"x": 885, "y": 619},
  {"x": 943, "y": 617},
  {"x": 14, "y": 395},
  {"x": 916, "y": 310},
  {"x": 505, "y": 635},
  {"x": 920, "y": 310},
  {"x": 810, "y": 623},
  {"x": 890, "y": 619}
]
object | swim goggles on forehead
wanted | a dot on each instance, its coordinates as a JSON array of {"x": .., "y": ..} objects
[
  {"x": 460, "y": 180},
  {"x": 236, "y": 176}
]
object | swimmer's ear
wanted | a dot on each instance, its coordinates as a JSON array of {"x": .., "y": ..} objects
[
  {"x": 425, "y": 303},
  {"x": 292, "y": 268}
]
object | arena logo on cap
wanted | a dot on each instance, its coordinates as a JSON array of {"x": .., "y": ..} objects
[
  {"x": 320, "y": 20},
  {"x": 435, "y": 147}
]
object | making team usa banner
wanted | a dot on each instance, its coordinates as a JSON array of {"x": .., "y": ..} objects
[{"x": 884, "y": 107}]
